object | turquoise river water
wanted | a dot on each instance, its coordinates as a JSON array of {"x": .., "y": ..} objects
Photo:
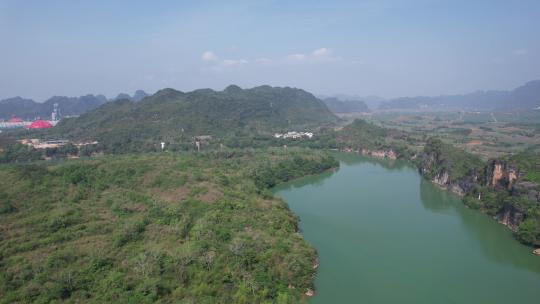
[{"x": 385, "y": 235}]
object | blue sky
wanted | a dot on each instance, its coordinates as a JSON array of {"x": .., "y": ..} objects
[{"x": 386, "y": 48}]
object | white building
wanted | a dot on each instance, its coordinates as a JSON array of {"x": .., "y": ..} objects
[{"x": 293, "y": 135}]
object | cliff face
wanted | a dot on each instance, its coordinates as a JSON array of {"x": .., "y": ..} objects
[
  {"x": 389, "y": 154},
  {"x": 435, "y": 166},
  {"x": 503, "y": 176},
  {"x": 504, "y": 188},
  {"x": 511, "y": 216},
  {"x": 460, "y": 186},
  {"x": 500, "y": 174}
]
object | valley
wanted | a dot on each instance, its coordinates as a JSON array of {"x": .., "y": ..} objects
[{"x": 176, "y": 193}]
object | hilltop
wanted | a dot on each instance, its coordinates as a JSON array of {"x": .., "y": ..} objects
[{"x": 175, "y": 116}]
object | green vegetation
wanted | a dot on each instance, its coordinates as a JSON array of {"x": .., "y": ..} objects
[
  {"x": 175, "y": 117},
  {"x": 204, "y": 227},
  {"x": 517, "y": 206},
  {"x": 440, "y": 157},
  {"x": 159, "y": 227},
  {"x": 529, "y": 164},
  {"x": 19, "y": 153},
  {"x": 272, "y": 174},
  {"x": 363, "y": 134},
  {"x": 529, "y": 229},
  {"x": 488, "y": 135}
]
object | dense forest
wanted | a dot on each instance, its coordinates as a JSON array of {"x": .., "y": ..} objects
[
  {"x": 158, "y": 227},
  {"x": 176, "y": 117}
]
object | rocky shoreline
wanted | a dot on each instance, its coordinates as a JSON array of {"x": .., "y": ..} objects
[{"x": 495, "y": 176}]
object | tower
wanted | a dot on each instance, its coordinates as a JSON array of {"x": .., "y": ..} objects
[{"x": 54, "y": 114}]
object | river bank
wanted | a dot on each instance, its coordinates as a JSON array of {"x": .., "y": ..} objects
[{"x": 356, "y": 224}]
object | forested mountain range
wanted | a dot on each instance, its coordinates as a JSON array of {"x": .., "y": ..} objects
[
  {"x": 68, "y": 106},
  {"x": 523, "y": 98},
  {"x": 526, "y": 97},
  {"x": 172, "y": 115}
]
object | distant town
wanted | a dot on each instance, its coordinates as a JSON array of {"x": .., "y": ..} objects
[{"x": 16, "y": 122}]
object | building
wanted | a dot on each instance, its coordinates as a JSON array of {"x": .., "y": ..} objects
[
  {"x": 293, "y": 135},
  {"x": 15, "y": 119},
  {"x": 40, "y": 124}
]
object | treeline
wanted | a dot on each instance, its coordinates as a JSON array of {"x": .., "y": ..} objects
[
  {"x": 17, "y": 153},
  {"x": 272, "y": 173}
]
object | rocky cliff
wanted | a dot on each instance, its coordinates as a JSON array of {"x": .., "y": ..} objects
[
  {"x": 448, "y": 167},
  {"x": 517, "y": 196},
  {"x": 500, "y": 174},
  {"x": 504, "y": 188},
  {"x": 511, "y": 216}
]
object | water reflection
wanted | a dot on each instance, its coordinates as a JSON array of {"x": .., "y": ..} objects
[
  {"x": 355, "y": 158},
  {"x": 313, "y": 180},
  {"x": 495, "y": 240},
  {"x": 435, "y": 199}
]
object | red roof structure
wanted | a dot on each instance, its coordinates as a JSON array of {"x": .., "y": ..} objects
[
  {"x": 40, "y": 124},
  {"x": 14, "y": 119}
]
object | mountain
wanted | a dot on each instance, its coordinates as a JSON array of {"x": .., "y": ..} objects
[
  {"x": 345, "y": 106},
  {"x": 172, "y": 115},
  {"x": 525, "y": 97},
  {"x": 371, "y": 101},
  {"x": 137, "y": 96},
  {"x": 74, "y": 105},
  {"x": 122, "y": 96},
  {"x": 29, "y": 109},
  {"x": 477, "y": 101},
  {"x": 68, "y": 106}
]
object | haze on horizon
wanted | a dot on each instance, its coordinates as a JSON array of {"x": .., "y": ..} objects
[{"x": 386, "y": 48}]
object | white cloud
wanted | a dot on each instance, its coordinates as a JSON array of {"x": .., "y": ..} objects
[
  {"x": 322, "y": 52},
  {"x": 318, "y": 55},
  {"x": 209, "y": 56},
  {"x": 296, "y": 57},
  {"x": 234, "y": 62},
  {"x": 521, "y": 52}
]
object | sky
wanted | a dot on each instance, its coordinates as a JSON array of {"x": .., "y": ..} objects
[{"x": 387, "y": 48}]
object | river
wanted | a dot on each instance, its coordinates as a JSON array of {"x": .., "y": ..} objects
[{"x": 385, "y": 235}]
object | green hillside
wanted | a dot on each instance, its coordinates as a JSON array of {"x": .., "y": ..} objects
[
  {"x": 161, "y": 227},
  {"x": 440, "y": 157},
  {"x": 175, "y": 116}
]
